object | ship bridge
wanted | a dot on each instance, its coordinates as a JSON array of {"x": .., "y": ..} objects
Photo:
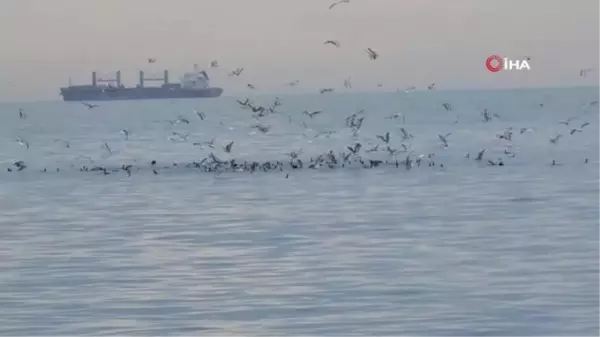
[{"x": 198, "y": 79}]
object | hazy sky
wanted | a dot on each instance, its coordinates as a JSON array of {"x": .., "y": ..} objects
[{"x": 44, "y": 42}]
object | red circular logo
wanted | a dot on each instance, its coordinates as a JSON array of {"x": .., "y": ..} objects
[{"x": 494, "y": 59}]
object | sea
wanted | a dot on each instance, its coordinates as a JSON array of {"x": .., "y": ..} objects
[{"x": 449, "y": 246}]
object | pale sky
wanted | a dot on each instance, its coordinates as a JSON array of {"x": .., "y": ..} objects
[{"x": 44, "y": 42}]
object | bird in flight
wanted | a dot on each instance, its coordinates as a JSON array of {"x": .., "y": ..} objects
[
  {"x": 90, "y": 106},
  {"x": 151, "y": 60},
  {"x": 372, "y": 54},
  {"x": 333, "y": 42},
  {"x": 584, "y": 72},
  {"x": 338, "y": 3},
  {"x": 236, "y": 72}
]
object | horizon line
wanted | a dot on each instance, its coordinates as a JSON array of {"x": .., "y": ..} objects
[{"x": 363, "y": 92}]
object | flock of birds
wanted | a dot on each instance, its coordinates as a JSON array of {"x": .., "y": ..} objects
[{"x": 354, "y": 153}]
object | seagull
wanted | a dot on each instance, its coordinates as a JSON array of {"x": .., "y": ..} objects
[
  {"x": 584, "y": 125},
  {"x": 311, "y": 114},
  {"x": 107, "y": 148},
  {"x": 372, "y": 54},
  {"x": 480, "y": 155},
  {"x": 507, "y": 134},
  {"x": 236, "y": 72},
  {"x": 244, "y": 103},
  {"x": 444, "y": 138},
  {"x": 354, "y": 149},
  {"x": 262, "y": 128},
  {"x": 584, "y": 72},
  {"x": 431, "y": 86},
  {"x": 294, "y": 154},
  {"x": 591, "y": 104},
  {"x": 348, "y": 83},
  {"x": 22, "y": 114},
  {"x": 214, "y": 64},
  {"x": 200, "y": 114},
  {"x": 486, "y": 116},
  {"x": 90, "y": 106},
  {"x": 567, "y": 121},
  {"x": 339, "y": 2},
  {"x": 22, "y": 142},
  {"x": 151, "y": 60},
  {"x": 447, "y": 106},
  {"x": 182, "y": 120},
  {"x": 251, "y": 86},
  {"x": 228, "y": 147},
  {"x": 385, "y": 138},
  {"x": 333, "y": 42},
  {"x": 391, "y": 151},
  {"x": 322, "y": 91},
  {"x": 523, "y": 130},
  {"x": 125, "y": 132},
  {"x": 555, "y": 139},
  {"x": 575, "y": 130},
  {"x": 410, "y": 89},
  {"x": 373, "y": 149},
  {"x": 20, "y": 165},
  {"x": 405, "y": 134},
  {"x": 210, "y": 144}
]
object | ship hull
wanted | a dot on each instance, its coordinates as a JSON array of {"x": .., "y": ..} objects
[{"x": 116, "y": 94}]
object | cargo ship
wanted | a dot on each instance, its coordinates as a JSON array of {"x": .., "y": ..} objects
[{"x": 194, "y": 84}]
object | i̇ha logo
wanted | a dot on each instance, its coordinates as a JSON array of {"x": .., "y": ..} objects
[{"x": 496, "y": 63}]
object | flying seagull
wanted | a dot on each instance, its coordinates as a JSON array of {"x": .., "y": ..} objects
[
  {"x": 90, "y": 106},
  {"x": 372, "y": 54},
  {"x": 584, "y": 72},
  {"x": 333, "y": 42},
  {"x": 236, "y": 72},
  {"x": 444, "y": 138},
  {"x": 200, "y": 114},
  {"x": 339, "y": 2},
  {"x": 22, "y": 142},
  {"x": 227, "y": 147},
  {"x": 312, "y": 114},
  {"x": 480, "y": 155},
  {"x": 348, "y": 83},
  {"x": 575, "y": 130},
  {"x": 385, "y": 138}
]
